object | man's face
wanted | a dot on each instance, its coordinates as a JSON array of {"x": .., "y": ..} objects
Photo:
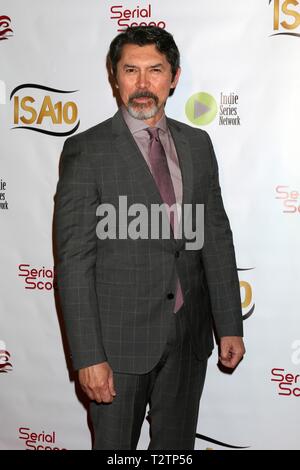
[{"x": 144, "y": 79}]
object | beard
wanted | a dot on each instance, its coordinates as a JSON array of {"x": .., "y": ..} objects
[{"x": 143, "y": 111}]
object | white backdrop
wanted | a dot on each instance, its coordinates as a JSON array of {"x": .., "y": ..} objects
[{"x": 246, "y": 48}]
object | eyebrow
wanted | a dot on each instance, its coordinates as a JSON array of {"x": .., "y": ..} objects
[
  {"x": 156, "y": 65},
  {"x": 151, "y": 66}
]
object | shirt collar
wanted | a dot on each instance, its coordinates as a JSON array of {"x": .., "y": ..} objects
[{"x": 137, "y": 125}]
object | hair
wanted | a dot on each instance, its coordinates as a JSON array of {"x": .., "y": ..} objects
[{"x": 142, "y": 36}]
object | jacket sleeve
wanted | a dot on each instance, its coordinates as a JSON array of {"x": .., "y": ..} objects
[
  {"x": 219, "y": 260},
  {"x": 75, "y": 221}
]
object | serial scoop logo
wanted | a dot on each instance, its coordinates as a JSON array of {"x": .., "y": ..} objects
[
  {"x": 5, "y": 29},
  {"x": 38, "y": 278},
  {"x": 134, "y": 17},
  {"x": 290, "y": 199},
  {"x": 38, "y": 440},
  {"x": 48, "y": 113},
  {"x": 202, "y": 108},
  {"x": 286, "y": 17},
  {"x": 288, "y": 383},
  {"x": 5, "y": 361}
]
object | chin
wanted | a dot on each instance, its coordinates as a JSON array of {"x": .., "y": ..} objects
[{"x": 142, "y": 111}]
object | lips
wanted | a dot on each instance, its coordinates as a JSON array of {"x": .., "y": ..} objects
[{"x": 142, "y": 100}]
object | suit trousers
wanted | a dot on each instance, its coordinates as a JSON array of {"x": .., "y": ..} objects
[{"x": 172, "y": 389}]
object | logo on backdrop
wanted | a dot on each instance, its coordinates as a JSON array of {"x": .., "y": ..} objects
[
  {"x": 288, "y": 383},
  {"x": 2, "y": 92},
  {"x": 38, "y": 440},
  {"x": 219, "y": 443},
  {"x": 5, "y": 361},
  {"x": 286, "y": 17},
  {"x": 248, "y": 306},
  {"x": 136, "y": 16},
  {"x": 43, "y": 109},
  {"x": 3, "y": 201},
  {"x": 38, "y": 278},
  {"x": 5, "y": 27},
  {"x": 201, "y": 109},
  {"x": 290, "y": 199}
]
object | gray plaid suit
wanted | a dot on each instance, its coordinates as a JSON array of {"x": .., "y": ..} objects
[{"x": 117, "y": 296}]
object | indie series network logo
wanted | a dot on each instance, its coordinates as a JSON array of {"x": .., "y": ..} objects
[{"x": 201, "y": 109}]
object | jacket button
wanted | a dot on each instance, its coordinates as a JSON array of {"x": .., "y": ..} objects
[
  {"x": 176, "y": 254},
  {"x": 170, "y": 295}
]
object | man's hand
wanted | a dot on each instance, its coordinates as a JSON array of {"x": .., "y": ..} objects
[
  {"x": 97, "y": 382},
  {"x": 232, "y": 350}
]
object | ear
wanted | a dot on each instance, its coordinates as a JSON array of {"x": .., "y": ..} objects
[
  {"x": 115, "y": 79},
  {"x": 111, "y": 73},
  {"x": 176, "y": 78}
]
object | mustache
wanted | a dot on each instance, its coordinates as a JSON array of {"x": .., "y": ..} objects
[{"x": 143, "y": 94}]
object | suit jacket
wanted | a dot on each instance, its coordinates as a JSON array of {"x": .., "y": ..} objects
[{"x": 117, "y": 295}]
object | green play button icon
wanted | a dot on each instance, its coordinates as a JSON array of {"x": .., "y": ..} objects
[{"x": 201, "y": 109}]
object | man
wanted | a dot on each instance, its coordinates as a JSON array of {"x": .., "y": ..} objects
[{"x": 139, "y": 311}]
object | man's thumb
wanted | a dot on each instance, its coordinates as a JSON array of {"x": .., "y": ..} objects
[
  {"x": 111, "y": 385},
  {"x": 225, "y": 353}
]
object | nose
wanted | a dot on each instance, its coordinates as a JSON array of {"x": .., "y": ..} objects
[{"x": 142, "y": 79}]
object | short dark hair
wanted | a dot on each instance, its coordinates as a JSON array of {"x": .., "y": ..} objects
[{"x": 142, "y": 36}]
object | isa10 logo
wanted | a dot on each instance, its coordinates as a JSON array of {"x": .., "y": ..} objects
[
  {"x": 286, "y": 18},
  {"x": 44, "y": 109}
]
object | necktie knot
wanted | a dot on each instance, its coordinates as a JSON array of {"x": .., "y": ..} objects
[{"x": 153, "y": 132}]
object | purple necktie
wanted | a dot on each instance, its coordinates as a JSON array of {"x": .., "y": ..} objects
[{"x": 162, "y": 177}]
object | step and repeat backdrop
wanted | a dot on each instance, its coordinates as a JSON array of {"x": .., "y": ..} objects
[{"x": 240, "y": 82}]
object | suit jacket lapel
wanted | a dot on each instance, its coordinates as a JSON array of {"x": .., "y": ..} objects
[{"x": 185, "y": 160}]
